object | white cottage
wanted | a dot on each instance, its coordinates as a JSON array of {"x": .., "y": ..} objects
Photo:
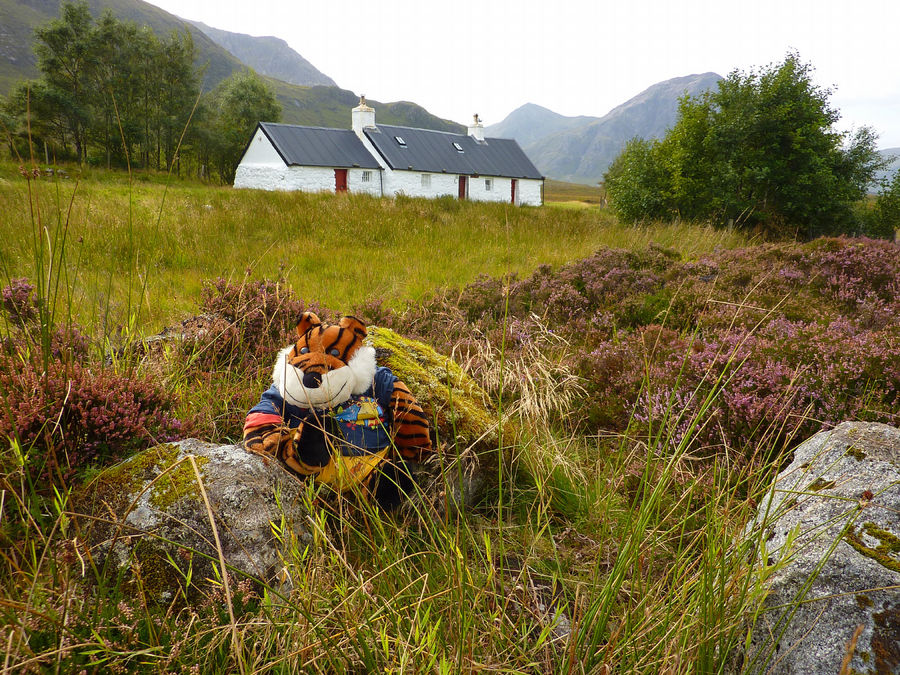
[{"x": 388, "y": 160}]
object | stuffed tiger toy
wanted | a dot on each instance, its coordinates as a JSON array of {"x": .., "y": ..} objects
[{"x": 332, "y": 414}]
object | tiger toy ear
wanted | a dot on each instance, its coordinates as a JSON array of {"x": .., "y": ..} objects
[
  {"x": 353, "y": 324},
  {"x": 307, "y": 321}
]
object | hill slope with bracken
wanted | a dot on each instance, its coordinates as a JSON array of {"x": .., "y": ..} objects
[
  {"x": 313, "y": 105},
  {"x": 580, "y": 149}
]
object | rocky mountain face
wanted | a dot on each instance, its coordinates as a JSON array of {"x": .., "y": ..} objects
[
  {"x": 530, "y": 123},
  {"x": 267, "y": 56},
  {"x": 580, "y": 149}
]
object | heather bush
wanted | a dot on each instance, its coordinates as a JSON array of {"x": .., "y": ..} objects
[
  {"x": 783, "y": 381},
  {"x": 19, "y": 302},
  {"x": 68, "y": 412},
  {"x": 224, "y": 357},
  {"x": 789, "y": 337},
  {"x": 73, "y": 416},
  {"x": 258, "y": 315}
]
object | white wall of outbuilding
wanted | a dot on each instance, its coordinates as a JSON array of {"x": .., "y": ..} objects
[{"x": 531, "y": 192}]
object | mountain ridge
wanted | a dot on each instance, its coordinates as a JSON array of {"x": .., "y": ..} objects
[
  {"x": 892, "y": 157},
  {"x": 312, "y": 105},
  {"x": 580, "y": 149},
  {"x": 267, "y": 55}
]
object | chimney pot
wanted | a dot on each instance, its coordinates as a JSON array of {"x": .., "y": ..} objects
[
  {"x": 476, "y": 129},
  {"x": 362, "y": 116}
]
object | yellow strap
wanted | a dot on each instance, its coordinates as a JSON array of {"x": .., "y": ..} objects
[{"x": 343, "y": 473}]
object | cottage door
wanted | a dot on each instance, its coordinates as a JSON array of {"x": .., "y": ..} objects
[
  {"x": 340, "y": 180},
  {"x": 463, "y": 187},
  {"x": 512, "y": 190}
]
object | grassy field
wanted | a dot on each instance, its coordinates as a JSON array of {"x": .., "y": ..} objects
[
  {"x": 338, "y": 250},
  {"x": 556, "y": 191},
  {"x": 614, "y": 539}
]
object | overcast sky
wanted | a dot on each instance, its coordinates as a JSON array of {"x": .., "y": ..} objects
[{"x": 575, "y": 57}]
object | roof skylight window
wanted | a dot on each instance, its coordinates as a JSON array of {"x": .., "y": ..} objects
[
  {"x": 458, "y": 147},
  {"x": 400, "y": 141}
]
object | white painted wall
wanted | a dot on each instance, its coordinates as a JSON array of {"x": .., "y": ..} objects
[
  {"x": 356, "y": 185},
  {"x": 302, "y": 178},
  {"x": 500, "y": 189},
  {"x": 530, "y": 192},
  {"x": 261, "y": 151},
  {"x": 409, "y": 183},
  {"x": 267, "y": 177}
]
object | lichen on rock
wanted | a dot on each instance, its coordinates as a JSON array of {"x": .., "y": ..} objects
[
  {"x": 465, "y": 425},
  {"x": 840, "y": 496},
  {"x": 146, "y": 516}
]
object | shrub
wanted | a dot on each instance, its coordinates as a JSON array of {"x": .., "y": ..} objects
[
  {"x": 759, "y": 152},
  {"x": 67, "y": 412},
  {"x": 797, "y": 336},
  {"x": 252, "y": 320},
  {"x": 20, "y": 303},
  {"x": 72, "y": 416}
]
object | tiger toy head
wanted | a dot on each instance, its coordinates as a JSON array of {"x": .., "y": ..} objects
[{"x": 326, "y": 365}]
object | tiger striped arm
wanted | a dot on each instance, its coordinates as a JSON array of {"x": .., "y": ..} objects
[
  {"x": 279, "y": 441},
  {"x": 410, "y": 426}
]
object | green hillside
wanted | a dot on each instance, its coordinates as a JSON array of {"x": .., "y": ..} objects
[
  {"x": 20, "y": 18},
  {"x": 17, "y": 61},
  {"x": 318, "y": 106},
  {"x": 330, "y": 107}
]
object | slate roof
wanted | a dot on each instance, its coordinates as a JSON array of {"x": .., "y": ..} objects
[
  {"x": 433, "y": 152},
  {"x": 318, "y": 146}
]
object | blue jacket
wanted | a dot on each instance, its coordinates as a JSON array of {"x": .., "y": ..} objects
[{"x": 364, "y": 427}]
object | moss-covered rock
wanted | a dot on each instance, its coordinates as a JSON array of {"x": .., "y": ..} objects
[
  {"x": 146, "y": 517},
  {"x": 465, "y": 425}
]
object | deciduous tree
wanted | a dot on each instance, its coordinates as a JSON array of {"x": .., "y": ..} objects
[
  {"x": 760, "y": 152},
  {"x": 63, "y": 47},
  {"x": 240, "y": 102}
]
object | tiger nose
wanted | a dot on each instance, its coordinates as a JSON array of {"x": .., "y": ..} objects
[{"x": 312, "y": 380}]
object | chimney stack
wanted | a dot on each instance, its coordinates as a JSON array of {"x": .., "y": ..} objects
[
  {"x": 362, "y": 116},
  {"x": 476, "y": 129}
]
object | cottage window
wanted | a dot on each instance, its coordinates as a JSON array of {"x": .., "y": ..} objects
[
  {"x": 488, "y": 184},
  {"x": 426, "y": 180},
  {"x": 366, "y": 176},
  {"x": 400, "y": 141},
  {"x": 458, "y": 147}
]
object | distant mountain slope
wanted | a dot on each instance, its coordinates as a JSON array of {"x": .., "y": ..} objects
[
  {"x": 530, "y": 123},
  {"x": 318, "y": 105},
  {"x": 330, "y": 107},
  {"x": 893, "y": 155},
  {"x": 19, "y": 18},
  {"x": 268, "y": 55},
  {"x": 580, "y": 149}
]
